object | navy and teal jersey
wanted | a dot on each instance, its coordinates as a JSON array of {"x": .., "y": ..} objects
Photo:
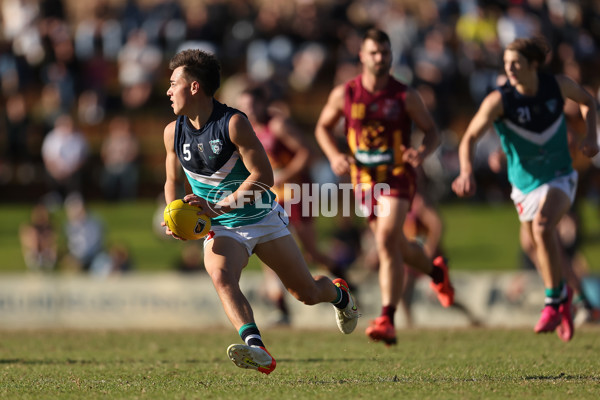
[
  {"x": 214, "y": 168},
  {"x": 533, "y": 133}
]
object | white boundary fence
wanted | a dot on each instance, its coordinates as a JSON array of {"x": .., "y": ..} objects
[{"x": 173, "y": 301}]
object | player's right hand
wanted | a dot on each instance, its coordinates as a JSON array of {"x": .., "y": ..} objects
[
  {"x": 170, "y": 232},
  {"x": 205, "y": 207},
  {"x": 464, "y": 185},
  {"x": 589, "y": 146},
  {"x": 340, "y": 164}
]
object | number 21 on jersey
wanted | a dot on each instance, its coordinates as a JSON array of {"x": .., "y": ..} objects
[{"x": 524, "y": 114}]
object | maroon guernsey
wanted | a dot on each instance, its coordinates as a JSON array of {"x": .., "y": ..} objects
[{"x": 377, "y": 126}]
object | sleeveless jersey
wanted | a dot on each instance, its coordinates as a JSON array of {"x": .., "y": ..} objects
[
  {"x": 376, "y": 126},
  {"x": 213, "y": 166},
  {"x": 533, "y": 134}
]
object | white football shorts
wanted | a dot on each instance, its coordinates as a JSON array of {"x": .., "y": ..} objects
[
  {"x": 527, "y": 204},
  {"x": 272, "y": 226}
]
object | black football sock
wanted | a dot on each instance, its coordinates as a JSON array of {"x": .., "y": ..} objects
[{"x": 251, "y": 335}]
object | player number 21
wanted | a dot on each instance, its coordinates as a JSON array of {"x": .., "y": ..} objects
[{"x": 524, "y": 114}]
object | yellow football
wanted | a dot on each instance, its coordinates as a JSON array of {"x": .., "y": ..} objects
[{"x": 183, "y": 220}]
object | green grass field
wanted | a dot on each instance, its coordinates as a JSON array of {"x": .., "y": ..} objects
[
  {"x": 479, "y": 363},
  {"x": 477, "y": 237},
  {"x": 427, "y": 364}
]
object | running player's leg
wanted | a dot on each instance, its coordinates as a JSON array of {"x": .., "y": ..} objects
[
  {"x": 414, "y": 255},
  {"x": 275, "y": 293},
  {"x": 543, "y": 229},
  {"x": 549, "y": 259},
  {"x": 305, "y": 231},
  {"x": 224, "y": 259},
  {"x": 283, "y": 256},
  {"x": 387, "y": 230},
  {"x": 527, "y": 243}
]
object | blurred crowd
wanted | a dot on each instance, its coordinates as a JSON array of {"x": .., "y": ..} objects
[
  {"x": 83, "y": 83},
  {"x": 102, "y": 65}
]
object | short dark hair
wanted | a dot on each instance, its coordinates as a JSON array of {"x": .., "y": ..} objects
[
  {"x": 200, "y": 66},
  {"x": 533, "y": 49},
  {"x": 376, "y": 35}
]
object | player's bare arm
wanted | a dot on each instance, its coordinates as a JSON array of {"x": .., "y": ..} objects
[
  {"x": 324, "y": 132},
  {"x": 587, "y": 104},
  {"x": 172, "y": 170},
  {"x": 491, "y": 108},
  {"x": 171, "y": 163},
  {"x": 255, "y": 159},
  {"x": 291, "y": 137},
  {"x": 418, "y": 112}
]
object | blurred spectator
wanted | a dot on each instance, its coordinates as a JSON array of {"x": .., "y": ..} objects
[
  {"x": 115, "y": 261},
  {"x": 84, "y": 234},
  {"x": 131, "y": 16},
  {"x": 98, "y": 40},
  {"x": 139, "y": 62},
  {"x": 39, "y": 240},
  {"x": 434, "y": 67},
  {"x": 61, "y": 68},
  {"x": 191, "y": 260},
  {"x": 164, "y": 24},
  {"x": 119, "y": 152},
  {"x": 307, "y": 63},
  {"x": 17, "y": 125},
  {"x": 52, "y": 9},
  {"x": 90, "y": 108},
  {"x": 19, "y": 18},
  {"x": 91, "y": 58},
  {"x": 65, "y": 152},
  {"x": 9, "y": 70},
  {"x": 402, "y": 26},
  {"x": 48, "y": 108},
  {"x": 482, "y": 52},
  {"x": 516, "y": 23},
  {"x": 98, "y": 32}
]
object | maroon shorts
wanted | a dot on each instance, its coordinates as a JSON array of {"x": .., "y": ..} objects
[{"x": 402, "y": 186}]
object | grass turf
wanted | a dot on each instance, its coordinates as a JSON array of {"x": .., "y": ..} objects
[{"x": 427, "y": 364}]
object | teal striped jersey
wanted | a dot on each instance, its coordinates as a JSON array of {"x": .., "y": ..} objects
[
  {"x": 533, "y": 133},
  {"x": 214, "y": 168}
]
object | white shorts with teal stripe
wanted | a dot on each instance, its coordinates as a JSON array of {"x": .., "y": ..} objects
[
  {"x": 527, "y": 204},
  {"x": 272, "y": 226}
]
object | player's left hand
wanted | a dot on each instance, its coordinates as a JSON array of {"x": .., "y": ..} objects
[
  {"x": 589, "y": 146},
  {"x": 170, "y": 232},
  {"x": 412, "y": 156}
]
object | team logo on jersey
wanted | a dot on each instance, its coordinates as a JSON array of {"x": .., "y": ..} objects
[
  {"x": 201, "y": 147},
  {"x": 551, "y": 105},
  {"x": 216, "y": 145}
]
